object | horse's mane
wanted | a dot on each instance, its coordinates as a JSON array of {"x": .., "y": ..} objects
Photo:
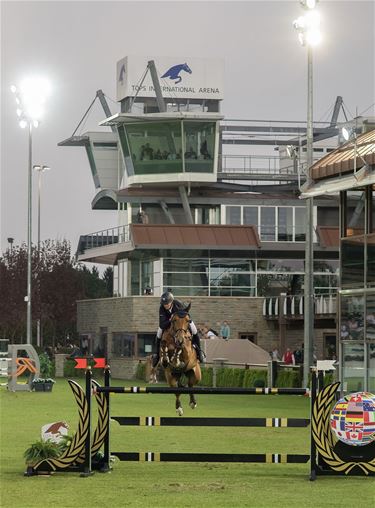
[{"x": 181, "y": 313}]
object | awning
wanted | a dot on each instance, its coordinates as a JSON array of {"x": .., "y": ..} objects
[{"x": 361, "y": 178}]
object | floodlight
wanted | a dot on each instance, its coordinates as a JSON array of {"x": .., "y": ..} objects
[{"x": 345, "y": 133}]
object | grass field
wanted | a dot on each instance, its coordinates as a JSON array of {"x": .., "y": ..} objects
[{"x": 136, "y": 484}]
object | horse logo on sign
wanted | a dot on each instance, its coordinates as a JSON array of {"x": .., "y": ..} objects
[{"x": 174, "y": 72}]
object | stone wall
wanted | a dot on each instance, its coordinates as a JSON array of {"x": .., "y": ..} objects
[{"x": 140, "y": 314}]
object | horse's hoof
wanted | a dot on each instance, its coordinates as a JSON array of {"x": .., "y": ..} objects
[
  {"x": 180, "y": 411},
  {"x": 193, "y": 405}
]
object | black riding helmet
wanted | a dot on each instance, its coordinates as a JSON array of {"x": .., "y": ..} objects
[{"x": 166, "y": 298}]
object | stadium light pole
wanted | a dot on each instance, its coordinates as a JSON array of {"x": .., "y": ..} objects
[
  {"x": 308, "y": 27},
  {"x": 30, "y": 99},
  {"x": 39, "y": 169}
]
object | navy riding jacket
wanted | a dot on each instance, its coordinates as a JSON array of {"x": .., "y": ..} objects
[{"x": 165, "y": 314}]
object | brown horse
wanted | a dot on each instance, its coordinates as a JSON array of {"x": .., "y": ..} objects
[{"x": 178, "y": 356}]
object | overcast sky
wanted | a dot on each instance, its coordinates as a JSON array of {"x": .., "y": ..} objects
[{"x": 77, "y": 44}]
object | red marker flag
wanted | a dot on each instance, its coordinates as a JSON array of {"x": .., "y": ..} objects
[
  {"x": 99, "y": 363},
  {"x": 81, "y": 363}
]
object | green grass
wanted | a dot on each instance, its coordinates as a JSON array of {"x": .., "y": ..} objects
[{"x": 136, "y": 484}]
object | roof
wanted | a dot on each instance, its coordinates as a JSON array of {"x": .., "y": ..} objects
[
  {"x": 190, "y": 236},
  {"x": 342, "y": 159}
]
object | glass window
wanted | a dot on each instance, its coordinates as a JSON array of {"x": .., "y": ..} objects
[
  {"x": 370, "y": 317},
  {"x": 280, "y": 265},
  {"x": 155, "y": 147},
  {"x": 300, "y": 223},
  {"x": 199, "y": 146},
  {"x": 184, "y": 279},
  {"x": 188, "y": 291},
  {"x": 147, "y": 276},
  {"x": 135, "y": 277},
  {"x": 371, "y": 260},
  {"x": 233, "y": 215},
  {"x": 326, "y": 266},
  {"x": 276, "y": 283},
  {"x": 355, "y": 212},
  {"x": 352, "y": 318},
  {"x": 325, "y": 284},
  {"x": 352, "y": 262},
  {"x": 353, "y": 367},
  {"x": 185, "y": 265},
  {"x": 285, "y": 224},
  {"x": 123, "y": 344},
  {"x": 146, "y": 344},
  {"x": 267, "y": 223},
  {"x": 372, "y": 211},
  {"x": 250, "y": 215}
]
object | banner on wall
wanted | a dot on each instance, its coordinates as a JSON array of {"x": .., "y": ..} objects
[{"x": 180, "y": 77}]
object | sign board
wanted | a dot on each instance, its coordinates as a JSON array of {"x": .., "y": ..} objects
[
  {"x": 326, "y": 365},
  {"x": 179, "y": 77}
]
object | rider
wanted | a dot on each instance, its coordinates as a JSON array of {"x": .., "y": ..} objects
[{"x": 168, "y": 306}]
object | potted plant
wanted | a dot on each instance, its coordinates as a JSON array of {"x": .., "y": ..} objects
[
  {"x": 44, "y": 383},
  {"x": 41, "y": 450}
]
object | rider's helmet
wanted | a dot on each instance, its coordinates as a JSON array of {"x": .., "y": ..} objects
[{"x": 166, "y": 298}]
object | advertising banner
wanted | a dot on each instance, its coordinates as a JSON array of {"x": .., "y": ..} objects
[{"x": 179, "y": 77}]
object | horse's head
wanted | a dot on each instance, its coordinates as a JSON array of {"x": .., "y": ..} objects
[
  {"x": 180, "y": 326},
  {"x": 186, "y": 68}
]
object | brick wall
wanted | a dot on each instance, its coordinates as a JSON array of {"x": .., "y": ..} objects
[{"x": 140, "y": 314}]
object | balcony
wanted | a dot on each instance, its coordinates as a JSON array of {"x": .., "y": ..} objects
[
  {"x": 292, "y": 306},
  {"x": 259, "y": 168}
]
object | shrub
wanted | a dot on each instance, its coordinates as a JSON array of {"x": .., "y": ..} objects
[
  {"x": 46, "y": 366},
  {"x": 288, "y": 378},
  {"x": 207, "y": 376},
  {"x": 141, "y": 371},
  {"x": 251, "y": 376}
]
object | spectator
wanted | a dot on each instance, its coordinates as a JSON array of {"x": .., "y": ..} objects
[
  {"x": 209, "y": 333},
  {"x": 85, "y": 346},
  {"x": 275, "y": 355},
  {"x": 288, "y": 357},
  {"x": 225, "y": 331},
  {"x": 298, "y": 356}
]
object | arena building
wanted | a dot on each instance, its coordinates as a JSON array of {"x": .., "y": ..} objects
[{"x": 207, "y": 207}]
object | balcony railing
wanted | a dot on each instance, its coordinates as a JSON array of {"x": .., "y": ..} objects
[
  {"x": 259, "y": 165},
  {"x": 120, "y": 234},
  {"x": 293, "y": 305}
]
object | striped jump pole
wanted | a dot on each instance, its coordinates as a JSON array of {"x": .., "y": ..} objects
[
  {"x": 199, "y": 390},
  {"x": 265, "y": 458},
  {"x": 179, "y": 421}
]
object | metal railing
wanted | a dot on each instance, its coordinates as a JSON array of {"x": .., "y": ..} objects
[
  {"x": 259, "y": 165},
  {"x": 293, "y": 305},
  {"x": 119, "y": 234}
]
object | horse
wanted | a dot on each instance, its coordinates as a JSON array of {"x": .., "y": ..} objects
[
  {"x": 178, "y": 357},
  {"x": 174, "y": 72}
]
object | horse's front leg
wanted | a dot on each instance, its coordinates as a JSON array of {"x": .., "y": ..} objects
[
  {"x": 191, "y": 382},
  {"x": 173, "y": 383},
  {"x": 164, "y": 354}
]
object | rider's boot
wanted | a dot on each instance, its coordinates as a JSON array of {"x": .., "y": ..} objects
[
  {"x": 156, "y": 356},
  {"x": 197, "y": 344}
]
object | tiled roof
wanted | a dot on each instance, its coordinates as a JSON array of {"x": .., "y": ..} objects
[
  {"x": 341, "y": 160},
  {"x": 190, "y": 236}
]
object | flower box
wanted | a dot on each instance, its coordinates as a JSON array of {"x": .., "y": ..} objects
[{"x": 43, "y": 385}]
